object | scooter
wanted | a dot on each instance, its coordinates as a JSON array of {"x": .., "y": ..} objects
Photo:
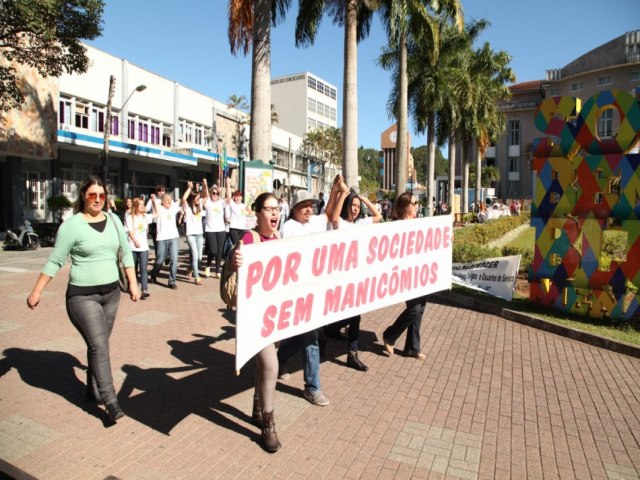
[{"x": 23, "y": 238}]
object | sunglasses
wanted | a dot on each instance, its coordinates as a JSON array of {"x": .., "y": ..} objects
[
  {"x": 414, "y": 203},
  {"x": 93, "y": 196}
]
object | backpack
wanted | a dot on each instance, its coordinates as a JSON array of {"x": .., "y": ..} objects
[{"x": 229, "y": 274}]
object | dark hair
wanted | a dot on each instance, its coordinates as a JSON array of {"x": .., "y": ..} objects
[
  {"x": 400, "y": 205},
  {"x": 159, "y": 187},
  {"x": 195, "y": 208},
  {"x": 260, "y": 200},
  {"x": 90, "y": 181},
  {"x": 346, "y": 207}
]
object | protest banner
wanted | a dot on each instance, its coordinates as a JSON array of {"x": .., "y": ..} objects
[
  {"x": 495, "y": 276},
  {"x": 291, "y": 286}
]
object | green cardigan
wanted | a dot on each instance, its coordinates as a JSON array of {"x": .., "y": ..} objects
[{"x": 93, "y": 253}]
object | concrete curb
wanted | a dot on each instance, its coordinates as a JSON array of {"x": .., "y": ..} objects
[{"x": 486, "y": 306}]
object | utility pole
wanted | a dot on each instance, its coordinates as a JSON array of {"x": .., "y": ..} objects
[{"x": 107, "y": 131}]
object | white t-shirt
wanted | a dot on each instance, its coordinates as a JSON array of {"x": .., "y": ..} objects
[
  {"x": 138, "y": 226},
  {"x": 214, "y": 216},
  {"x": 149, "y": 208},
  {"x": 238, "y": 216},
  {"x": 166, "y": 222},
  {"x": 193, "y": 221},
  {"x": 343, "y": 224},
  {"x": 293, "y": 228}
]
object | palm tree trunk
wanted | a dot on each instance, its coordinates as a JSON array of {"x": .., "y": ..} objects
[
  {"x": 350, "y": 100},
  {"x": 465, "y": 177},
  {"x": 260, "y": 141},
  {"x": 431, "y": 162},
  {"x": 479, "y": 173},
  {"x": 452, "y": 170},
  {"x": 402, "y": 159}
]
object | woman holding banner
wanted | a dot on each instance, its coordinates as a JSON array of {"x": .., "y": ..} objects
[
  {"x": 267, "y": 213},
  {"x": 404, "y": 208},
  {"x": 348, "y": 213}
]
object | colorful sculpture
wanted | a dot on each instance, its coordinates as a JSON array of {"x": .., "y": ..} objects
[{"x": 584, "y": 187}]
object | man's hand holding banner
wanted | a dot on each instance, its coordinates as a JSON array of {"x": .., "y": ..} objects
[{"x": 291, "y": 286}]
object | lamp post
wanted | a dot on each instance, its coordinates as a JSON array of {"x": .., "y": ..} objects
[{"x": 107, "y": 125}]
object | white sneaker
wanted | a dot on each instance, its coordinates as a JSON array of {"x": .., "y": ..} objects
[
  {"x": 207, "y": 272},
  {"x": 316, "y": 397}
]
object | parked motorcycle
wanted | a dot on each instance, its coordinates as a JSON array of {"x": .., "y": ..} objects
[{"x": 22, "y": 238}]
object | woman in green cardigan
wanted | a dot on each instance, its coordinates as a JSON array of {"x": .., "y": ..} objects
[{"x": 91, "y": 237}]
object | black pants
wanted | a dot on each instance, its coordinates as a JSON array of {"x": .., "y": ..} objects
[
  {"x": 333, "y": 329},
  {"x": 410, "y": 320},
  {"x": 215, "y": 248}
]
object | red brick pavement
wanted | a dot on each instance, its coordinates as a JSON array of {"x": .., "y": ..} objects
[{"x": 493, "y": 399}]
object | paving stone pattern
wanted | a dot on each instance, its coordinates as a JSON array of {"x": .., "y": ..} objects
[{"x": 493, "y": 399}]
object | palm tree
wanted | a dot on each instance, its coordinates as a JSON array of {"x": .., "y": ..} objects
[
  {"x": 250, "y": 27},
  {"x": 404, "y": 20},
  {"x": 275, "y": 120},
  {"x": 355, "y": 16},
  {"x": 239, "y": 102},
  {"x": 490, "y": 73}
]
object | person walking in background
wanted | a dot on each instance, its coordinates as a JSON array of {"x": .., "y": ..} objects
[
  {"x": 137, "y": 228},
  {"x": 320, "y": 207},
  {"x": 155, "y": 199},
  {"x": 127, "y": 204},
  {"x": 348, "y": 213},
  {"x": 167, "y": 237},
  {"x": 214, "y": 228},
  {"x": 404, "y": 208},
  {"x": 284, "y": 211},
  {"x": 237, "y": 214},
  {"x": 267, "y": 213},
  {"x": 193, "y": 219},
  {"x": 302, "y": 221},
  {"x": 92, "y": 238}
]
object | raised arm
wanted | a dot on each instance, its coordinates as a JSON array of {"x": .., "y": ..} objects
[
  {"x": 333, "y": 196},
  {"x": 227, "y": 192},
  {"x": 204, "y": 193},
  {"x": 154, "y": 208},
  {"x": 376, "y": 215},
  {"x": 187, "y": 192},
  {"x": 343, "y": 193}
]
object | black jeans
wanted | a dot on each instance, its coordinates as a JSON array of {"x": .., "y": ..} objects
[
  {"x": 215, "y": 247},
  {"x": 333, "y": 329},
  {"x": 94, "y": 316},
  {"x": 410, "y": 319}
]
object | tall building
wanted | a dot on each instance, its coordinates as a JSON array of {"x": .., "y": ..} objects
[{"x": 304, "y": 102}]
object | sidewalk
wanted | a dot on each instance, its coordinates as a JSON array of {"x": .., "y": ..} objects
[{"x": 493, "y": 399}]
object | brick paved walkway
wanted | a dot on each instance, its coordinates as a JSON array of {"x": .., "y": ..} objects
[{"x": 494, "y": 399}]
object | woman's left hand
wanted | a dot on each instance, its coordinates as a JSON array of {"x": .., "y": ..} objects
[{"x": 134, "y": 291}]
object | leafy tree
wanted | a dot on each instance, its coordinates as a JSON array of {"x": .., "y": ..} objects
[
  {"x": 45, "y": 35},
  {"x": 369, "y": 167}
]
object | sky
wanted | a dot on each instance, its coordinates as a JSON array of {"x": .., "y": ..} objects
[{"x": 186, "y": 41}]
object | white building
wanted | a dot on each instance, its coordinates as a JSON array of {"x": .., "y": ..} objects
[
  {"x": 304, "y": 103},
  {"x": 162, "y": 133}
]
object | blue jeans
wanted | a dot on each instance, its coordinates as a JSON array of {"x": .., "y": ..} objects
[
  {"x": 195, "y": 246},
  {"x": 164, "y": 246},
  {"x": 410, "y": 319},
  {"x": 141, "y": 259},
  {"x": 311, "y": 365},
  {"x": 94, "y": 316}
]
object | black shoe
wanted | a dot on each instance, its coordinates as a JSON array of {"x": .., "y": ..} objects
[
  {"x": 173, "y": 286},
  {"x": 153, "y": 280},
  {"x": 354, "y": 362},
  {"x": 114, "y": 412},
  {"x": 144, "y": 295}
]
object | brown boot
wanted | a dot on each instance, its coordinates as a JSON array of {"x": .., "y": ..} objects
[
  {"x": 256, "y": 415},
  {"x": 269, "y": 437}
]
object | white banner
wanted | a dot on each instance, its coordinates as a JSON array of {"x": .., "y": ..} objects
[
  {"x": 495, "y": 276},
  {"x": 291, "y": 286}
]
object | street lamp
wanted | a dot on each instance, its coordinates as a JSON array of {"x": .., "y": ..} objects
[{"x": 107, "y": 125}]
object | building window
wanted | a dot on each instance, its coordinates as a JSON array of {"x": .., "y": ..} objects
[
  {"x": 198, "y": 136},
  {"x": 82, "y": 116},
  {"x": 167, "y": 133},
  {"x": 312, "y": 125},
  {"x": 188, "y": 133},
  {"x": 97, "y": 120},
  {"x": 514, "y": 164},
  {"x": 575, "y": 87},
  {"x": 605, "y": 124},
  {"x": 635, "y": 76},
  {"x": 132, "y": 129},
  {"x": 65, "y": 112},
  {"x": 320, "y": 108},
  {"x": 115, "y": 125},
  {"x": 143, "y": 132},
  {"x": 311, "y": 82},
  {"x": 311, "y": 105},
  {"x": 35, "y": 191},
  {"x": 332, "y": 93},
  {"x": 320, "y": 87},
  {"x": 155, "y": 135},
  {"x": 607, "y": 80},
  {"x": 514, "y": 132},
  {"x": 554, "y": 92}
]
